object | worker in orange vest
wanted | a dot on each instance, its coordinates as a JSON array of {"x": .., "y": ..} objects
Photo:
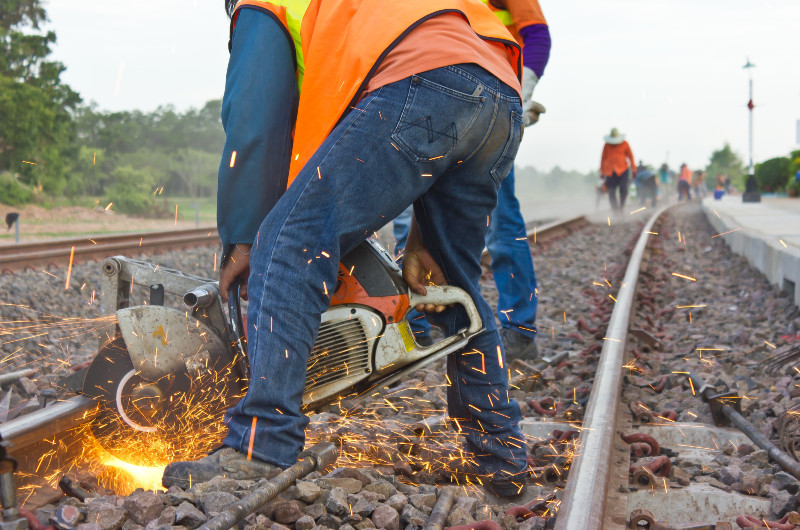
[
  {"x": 616, "y": 165},
  {"x": 394, "y": 103}
]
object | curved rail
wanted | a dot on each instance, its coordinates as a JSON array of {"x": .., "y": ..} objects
[
  {"x": 546, "y": 232},
  {"x": 59, "y": 252},
  {"x": 584, "y": 501}
]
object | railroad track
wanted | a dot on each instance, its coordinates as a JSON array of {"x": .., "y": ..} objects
[
  {"x": 601, "y": 490},
  {"x": 66, "y": 252}
]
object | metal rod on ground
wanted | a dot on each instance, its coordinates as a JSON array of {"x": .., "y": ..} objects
[
  {"x": 444, "y": 503},
  {"x": 13, "y": 377},
  {"x": 320, "y": 456},
  {"x": 786, "y": 462}
]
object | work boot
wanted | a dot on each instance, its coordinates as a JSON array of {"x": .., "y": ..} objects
[
  {"x": 518, "y": 346},
  {"x": 226, "y": 462}
]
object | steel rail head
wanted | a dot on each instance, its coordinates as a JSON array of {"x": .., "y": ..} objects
[
  {"x": 583, "y": 505},
  {"x": 318, "y": 457},
  {"x": 44, "y": 423}
]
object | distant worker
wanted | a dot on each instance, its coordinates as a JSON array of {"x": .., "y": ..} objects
[
  {"x": 615, "y": 165},
  {"x": 699, "y": 183},
  {"x": 665, "y": 182},
  {"x": 684, "y": 183},
  {"x": 648, "y": 184},
  {"x": 506, "y": 241}
]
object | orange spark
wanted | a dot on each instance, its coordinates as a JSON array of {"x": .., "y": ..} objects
[
  {"x": 233, "y": 159},
  {"x": 684, "y": 277},
  {"x": 252, "y": 439},
  {"x": 728, "y": 232},
  {"x": 69, "y": 269},
  {"x": 499, "y": 356},
  {"x": 176, "y": 214}
]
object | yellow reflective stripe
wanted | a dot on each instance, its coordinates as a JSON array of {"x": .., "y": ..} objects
[
  {"x": 295, "y": 11},
  {"x": 502, "y": 14}
]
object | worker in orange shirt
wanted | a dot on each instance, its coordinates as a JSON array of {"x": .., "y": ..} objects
[
  {"x": 616, "y": 165},
  {"x": 685, "y": 183}
]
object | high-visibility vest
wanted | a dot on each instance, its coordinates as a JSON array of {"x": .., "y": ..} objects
[
  {"x": 532, "y": 15},
  {"x": 339, "y": 44}
]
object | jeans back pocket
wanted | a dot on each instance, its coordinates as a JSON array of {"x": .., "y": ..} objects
[{"x": 435, "y": 118}]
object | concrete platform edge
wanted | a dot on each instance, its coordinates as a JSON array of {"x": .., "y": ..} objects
[{"x": 777, "y": 263}]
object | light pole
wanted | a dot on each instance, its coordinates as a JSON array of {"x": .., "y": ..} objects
[{"x": 751, "y": 193}]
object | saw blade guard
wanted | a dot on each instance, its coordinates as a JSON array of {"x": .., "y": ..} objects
[{"x": 162, "y": 341}]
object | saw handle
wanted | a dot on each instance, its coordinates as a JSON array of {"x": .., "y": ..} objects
[
  {"x": 446, "y": 295},
  {"x": 237, "y": 325}
]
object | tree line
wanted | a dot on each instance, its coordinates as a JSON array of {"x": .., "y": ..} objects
[{"x": 52, "y": 144}]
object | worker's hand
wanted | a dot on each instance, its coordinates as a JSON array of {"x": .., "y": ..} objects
[
  {"x": 420, "y": 269},
  {"x": 237, "y": 265},
  {"x": 531, "y": 114}
]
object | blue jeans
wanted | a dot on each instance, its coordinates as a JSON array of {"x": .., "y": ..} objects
[
  {"x": 444, "y": 140},
  {"x": 512, "y": 264}
]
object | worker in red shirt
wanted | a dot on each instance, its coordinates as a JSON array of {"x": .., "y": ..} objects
[{"x": 616, "y": 165}]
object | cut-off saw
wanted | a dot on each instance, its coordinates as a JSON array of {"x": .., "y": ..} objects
[{"x": 184, "y": 364}]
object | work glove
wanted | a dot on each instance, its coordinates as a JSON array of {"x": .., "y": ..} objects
[{"x": 530, "y": 109}]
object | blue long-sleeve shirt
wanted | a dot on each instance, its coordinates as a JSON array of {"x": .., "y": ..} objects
[{"x": 259, "y": 109}]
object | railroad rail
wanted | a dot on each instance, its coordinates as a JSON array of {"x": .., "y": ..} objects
[
  {"x": 591, "y": 498},
  {"x": 25, "y": 432},
  {"x": 63, "y": 252}
]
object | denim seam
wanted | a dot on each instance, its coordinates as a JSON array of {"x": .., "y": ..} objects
[
  {"x": 495, "y": 91},
  {"x": 515, "y": 126},
  {"x": 489, "y": 131}
]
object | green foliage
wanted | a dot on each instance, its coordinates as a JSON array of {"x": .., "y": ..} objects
[
  {"x": 35, "y": 121},
  {"x": 773, "y": 174},
  {"x": 12, "y": 193},
  {"x": 197, "y": 171},
  {"x": 180, "y": 151},
  {"x": 131, "y": 191},
  {"x": 726, "y": 162}
]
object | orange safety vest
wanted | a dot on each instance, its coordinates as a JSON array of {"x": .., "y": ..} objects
[{"x": 339, "y": 44}]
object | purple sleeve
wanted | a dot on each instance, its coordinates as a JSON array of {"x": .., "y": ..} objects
[{"x": 536, "y": 47}]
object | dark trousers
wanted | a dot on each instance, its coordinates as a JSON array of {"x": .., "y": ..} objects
[
  {"x": 683, "y": 190},
  {"x": 613, "y": 183}
]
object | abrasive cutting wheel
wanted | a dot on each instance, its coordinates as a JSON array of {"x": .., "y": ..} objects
[{"x": 164, "y": 379}]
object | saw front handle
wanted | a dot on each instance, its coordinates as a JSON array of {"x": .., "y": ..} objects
[
  {"x": 238, "y": 335},
  {"x": 447, "y": 295}
]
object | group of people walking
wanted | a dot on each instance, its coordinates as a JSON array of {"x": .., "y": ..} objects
[{"x": 618, "y": 168}]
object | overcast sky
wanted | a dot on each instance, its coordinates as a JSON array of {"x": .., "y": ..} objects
[{"x": 667, "y": 73}]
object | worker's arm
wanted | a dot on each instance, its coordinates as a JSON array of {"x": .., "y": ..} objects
[
  {"x": 629, "y": 154},
  {"x": 603, "y": 161},
  {"x": 258, "y": 112},
  {"x": 532, "y": 27}
]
